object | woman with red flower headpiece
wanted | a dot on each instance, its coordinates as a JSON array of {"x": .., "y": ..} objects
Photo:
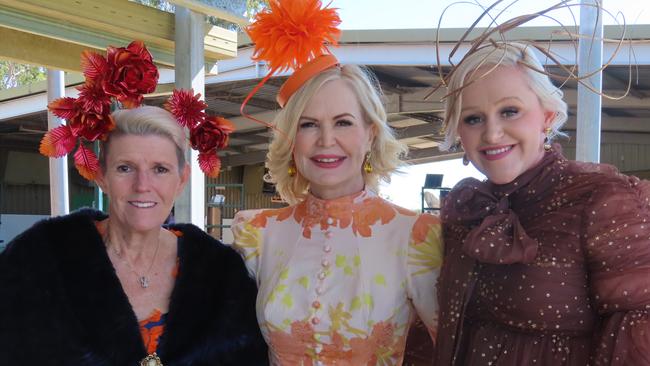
[
  {"x": 121, "y": 289},
  {"x": 341, "y": 272}
]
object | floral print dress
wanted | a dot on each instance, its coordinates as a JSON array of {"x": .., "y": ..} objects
[{"x": 341, "y": 280}]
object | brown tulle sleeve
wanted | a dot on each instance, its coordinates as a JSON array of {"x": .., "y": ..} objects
[{"x": 617, "y": 246}]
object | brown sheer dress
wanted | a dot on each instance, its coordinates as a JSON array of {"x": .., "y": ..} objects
[{"x": 550, "y": 269}]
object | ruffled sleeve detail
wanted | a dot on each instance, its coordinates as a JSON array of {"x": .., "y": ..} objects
[
  {"x": 425, "y": 253},
  {"x": 248, "y": 239},
  {"x": 617, "y": 245}
]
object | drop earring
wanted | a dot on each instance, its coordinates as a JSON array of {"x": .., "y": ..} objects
[
  {"x": 547, "y": 139},
  {"x": 366, "y": 164},
  {"x": 465, "y": 160},
  {"x": 291, "y": 170}
]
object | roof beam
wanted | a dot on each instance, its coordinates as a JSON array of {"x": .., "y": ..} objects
[
  {"x": 430, "y": 154},
  {"x": 425, "y": 129},
  {"x": 244, "y": 159},
  {"x": 200, "y": 7},
  {"x": 622, "y": 84},
  {"x": 92, "y": 24},
  {"x": 252, "y": 136}
]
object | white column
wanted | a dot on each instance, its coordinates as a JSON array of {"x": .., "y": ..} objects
[
  {"x": 190, "y": 73},
  {"x": 590, "y": 58},
  {"x": 58, "y": 167}
]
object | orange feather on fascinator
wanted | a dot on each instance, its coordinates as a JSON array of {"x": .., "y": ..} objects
[{"x": 293, "y": 34}]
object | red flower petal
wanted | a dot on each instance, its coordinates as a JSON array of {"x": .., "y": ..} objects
[
  {"x": 86, "y": 162},
  {"x": 186, "y": 107},
  {"x": 64, "y": 107},
  {"x": 291, "y": 33},
  {"x": 130, "y": 74},
  {"x": 210, "y": 163},
  {"x": 225, "y": 125},
  {"x": 139, "y": 48},
  {"x": 94, "y": 65},
  {"x": 93, "y": 99},
  {"x": 57, "y": 142}
]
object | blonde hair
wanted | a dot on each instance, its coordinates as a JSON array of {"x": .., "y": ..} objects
[
  {"x": 493, "y": 55},
  {"x": 385, "y": 150},
  {"x": 143, "y": 121}
]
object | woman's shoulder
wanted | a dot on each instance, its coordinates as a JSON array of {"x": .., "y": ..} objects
[
  {"x": 606, "y": 179},
  {"x": 59, "y": 228},
  {"x": 195, "y": 237},
  {"x": 202, "y": 249},
  {"x": 260, "y": 218},
  {"x": 377, "y": 203}
]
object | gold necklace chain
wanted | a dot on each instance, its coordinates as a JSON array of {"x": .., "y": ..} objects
[{"x": 143, "y": 280}]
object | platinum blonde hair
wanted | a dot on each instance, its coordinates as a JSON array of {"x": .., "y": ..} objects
[
  {"x": 489, "y": 57},
  {"x": 385, "y": 150},
  {"x": 144, "y": 121}
]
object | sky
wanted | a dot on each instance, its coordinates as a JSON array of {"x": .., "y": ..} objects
[
  {"x": 389, "y": 14},
  {"x": 405, "y": 189}
]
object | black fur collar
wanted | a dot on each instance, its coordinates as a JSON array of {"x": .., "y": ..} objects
[{"x": 211, "y": 318}]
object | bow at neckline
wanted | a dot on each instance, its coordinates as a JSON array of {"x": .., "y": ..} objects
[{"x": 496, "y": 235}]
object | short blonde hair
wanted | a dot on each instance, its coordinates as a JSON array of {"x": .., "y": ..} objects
[
  {"x": 142, "y": 121},
  {"x": 385, "y": 151},
  {"x": 502, "y": 54}
]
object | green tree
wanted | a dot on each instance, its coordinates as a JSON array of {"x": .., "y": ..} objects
[{"x": 13, "y": 74}]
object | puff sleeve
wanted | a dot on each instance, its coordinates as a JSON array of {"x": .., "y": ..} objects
[
  {"x": 248, "y": 240},
  {"x": 617, "y": 246},
  {"x": 424, "y": 258}
]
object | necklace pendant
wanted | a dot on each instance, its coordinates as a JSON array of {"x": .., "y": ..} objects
[
  {"x": 144, "y": 281},
  {"x": 151, "y": 360}
]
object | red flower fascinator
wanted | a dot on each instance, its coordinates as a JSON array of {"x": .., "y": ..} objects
[
  {"x": 208, "y": 134},
  {"x": 293, "y": 34},
  {"x": 124, "y": 76}
]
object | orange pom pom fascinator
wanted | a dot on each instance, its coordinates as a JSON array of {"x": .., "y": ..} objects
[{"x": 293, "y": 34}]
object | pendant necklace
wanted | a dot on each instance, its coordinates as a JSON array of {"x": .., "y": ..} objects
[{"x": 143, "y": 279}]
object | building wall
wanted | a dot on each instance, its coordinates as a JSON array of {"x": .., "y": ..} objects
[
  {"x": 25, "y": 189},
  {"x": 251, "y": 177},
  {"x": 629, "y": 158}
]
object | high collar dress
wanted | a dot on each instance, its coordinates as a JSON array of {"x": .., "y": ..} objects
[{"x": 341, "y": 280}]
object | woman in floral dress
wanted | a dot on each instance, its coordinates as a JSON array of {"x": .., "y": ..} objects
[{"x": 341, "y": 272}]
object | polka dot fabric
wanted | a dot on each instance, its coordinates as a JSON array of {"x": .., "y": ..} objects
[{"x": 550, "y": 269}]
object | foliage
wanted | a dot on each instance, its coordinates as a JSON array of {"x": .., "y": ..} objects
[
  {"x": 246, "y": 8},
  {"x": 13, "y": 74}
]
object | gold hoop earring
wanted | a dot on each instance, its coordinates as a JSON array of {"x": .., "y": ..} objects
[
  {"x": 465, "y": 160},
  {"x": 547, "y": 139},
  {"x": 366, "y": 164},
  {"x": 291, "y": 170}
]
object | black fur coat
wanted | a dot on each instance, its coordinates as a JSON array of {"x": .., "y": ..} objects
[{"x": 61, "y": 302}]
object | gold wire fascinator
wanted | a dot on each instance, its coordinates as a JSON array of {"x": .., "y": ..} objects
[
  {"x": 293, "y": 34},
  {"x": 497, "y": 37}
]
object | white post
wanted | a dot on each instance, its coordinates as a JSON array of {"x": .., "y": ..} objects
[
  {"x": 190, "y": 73},
  {"x": 590, "y": 58},
  {"x": 58, "y": 167}
]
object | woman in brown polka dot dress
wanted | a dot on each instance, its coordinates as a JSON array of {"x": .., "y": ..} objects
[{"x": 548, "y": 261}]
